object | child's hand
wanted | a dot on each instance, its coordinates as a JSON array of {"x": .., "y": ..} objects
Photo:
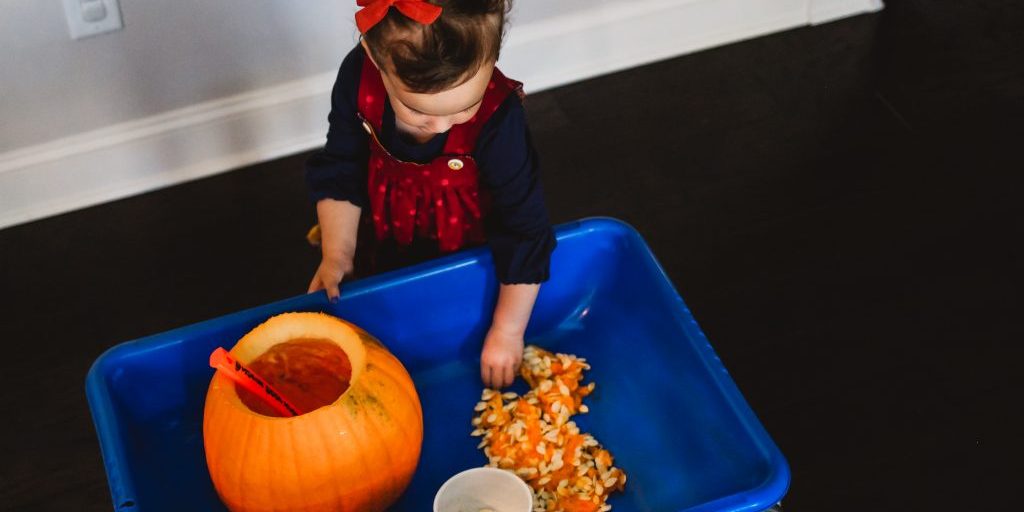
[
  {"x": 329, "y": 275},
  {"x": 500, "y": 358},
  {"x": 339, "y": 224}
]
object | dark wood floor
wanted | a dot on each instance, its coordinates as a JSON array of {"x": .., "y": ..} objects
[{"x": 839, "y": 205}]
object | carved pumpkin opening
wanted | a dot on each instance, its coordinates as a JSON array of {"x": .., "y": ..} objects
[{"x": 309, "y": 372}]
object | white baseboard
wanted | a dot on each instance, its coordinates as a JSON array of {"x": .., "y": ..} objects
[
  {"x": 216, "y": 136},
  {"x": 135, "y": 157}
]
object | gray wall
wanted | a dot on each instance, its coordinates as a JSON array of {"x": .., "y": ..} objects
[
  {"x": 170, "y": 54},
  {"x": 192, "y": 88}
]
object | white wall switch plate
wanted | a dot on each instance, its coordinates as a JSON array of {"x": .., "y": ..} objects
[{"x": 92, "y": 17}]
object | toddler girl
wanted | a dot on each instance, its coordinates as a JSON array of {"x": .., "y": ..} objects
[{"x": 428, "y": 152}]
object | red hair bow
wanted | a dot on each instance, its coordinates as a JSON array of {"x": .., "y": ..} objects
[{"x": 374, "y": 10}]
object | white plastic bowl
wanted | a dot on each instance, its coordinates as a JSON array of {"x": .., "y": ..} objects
[{"x": 479, "y": 489}]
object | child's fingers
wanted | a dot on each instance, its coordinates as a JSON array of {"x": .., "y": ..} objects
[
  {"x": 333, "y": 292},
  {"x": 495, "y": 377},
  {"x": 508, "y": 375},
  {"x": 485, "y": 375},
  {"x": 315, "y": 284}
]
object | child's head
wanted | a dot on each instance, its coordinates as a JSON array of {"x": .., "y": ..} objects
[{"x": 436, "y": 73}]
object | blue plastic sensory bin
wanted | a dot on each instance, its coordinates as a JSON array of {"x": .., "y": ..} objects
[{"x": 664, "y": 405}]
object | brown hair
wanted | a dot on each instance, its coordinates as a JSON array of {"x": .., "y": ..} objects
[{"x": 435, "y": 57}]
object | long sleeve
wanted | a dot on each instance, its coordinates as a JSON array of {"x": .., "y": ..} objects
[
  {"x": 338, "y": 171},
  {"x": 518, "y": 230}
]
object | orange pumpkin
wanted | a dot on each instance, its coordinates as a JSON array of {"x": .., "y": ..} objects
[{"x": 356, "y": 454}]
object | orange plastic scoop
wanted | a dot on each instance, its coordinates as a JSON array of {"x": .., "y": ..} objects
[{"x": 221, "y": 360}]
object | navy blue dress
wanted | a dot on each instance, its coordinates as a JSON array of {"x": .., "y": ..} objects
[{"x": 517, "y": 226}]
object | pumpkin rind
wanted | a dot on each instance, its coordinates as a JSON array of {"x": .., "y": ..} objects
[{"x": 356, "y": 454}]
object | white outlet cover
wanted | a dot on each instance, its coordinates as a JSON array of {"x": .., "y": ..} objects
[{"x": 78, "y": 12}]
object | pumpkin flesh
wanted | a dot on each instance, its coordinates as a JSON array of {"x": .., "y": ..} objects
[{"x": 310, "y": 373}]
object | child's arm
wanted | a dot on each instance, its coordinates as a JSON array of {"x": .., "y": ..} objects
[
  {"x": 519, "y": 234},
  {"x": 336, "y": 177},
  {"x": 503, "y": 347},
  {"x": 339, "y": 224}
]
